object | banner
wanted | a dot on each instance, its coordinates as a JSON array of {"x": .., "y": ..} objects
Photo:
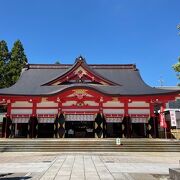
[
  {"x": 173, "y": 117},
  {"x": 162, "y": 119}
]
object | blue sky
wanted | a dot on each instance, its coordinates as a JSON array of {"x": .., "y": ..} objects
[{"x": 103, "y": 31}]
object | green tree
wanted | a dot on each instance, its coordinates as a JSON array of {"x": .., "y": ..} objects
[
  {"x": 57, "y": 62},
  {"x": 176, "y": 66},
  {"x": 4, "y": 59},
  {"x": 178, "y": 27},
  {"x": 17, "y": 61}
]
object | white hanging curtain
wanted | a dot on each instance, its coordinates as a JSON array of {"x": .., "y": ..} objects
[
  {"x": 80, "y": 117},
  {"x": 114, "y": 119},
  {"x": 139, "y": 119},
  {"x": 46, "y": 120},
  {"x": 18, "y": 120}
]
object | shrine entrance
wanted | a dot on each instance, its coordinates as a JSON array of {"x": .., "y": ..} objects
[
  {"x": 21, "y": 130},
  {"x": 45, "y": 130},
  {"x": 114, "y": 130},
  {"x": 79, "y": 129},
  {"x": 139, "y": 127},
  {"x": 79, "y": 126},
  {"x": 138, "y": 130}
]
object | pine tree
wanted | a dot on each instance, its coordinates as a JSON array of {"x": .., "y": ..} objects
[
  {"x": 17, "y": 61},
  {"x": 4, "y": 59}
]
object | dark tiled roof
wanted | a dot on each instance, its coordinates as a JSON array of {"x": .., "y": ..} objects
[{"x": 32, "y": 80}]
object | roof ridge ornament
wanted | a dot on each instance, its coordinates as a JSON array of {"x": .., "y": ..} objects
[{"x": 80, "y": 59}]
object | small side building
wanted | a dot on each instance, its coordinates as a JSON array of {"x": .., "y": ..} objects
[{"x": 172, "y": 113}]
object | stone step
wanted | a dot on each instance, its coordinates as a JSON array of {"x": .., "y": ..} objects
[
  {"x": 85, "y": 145},
  {"x": 92, "y": 144},
  {"x": 88, "y": 145},
  {"x": 82, "y": 145},
  {"x": 88, "y": 150}
]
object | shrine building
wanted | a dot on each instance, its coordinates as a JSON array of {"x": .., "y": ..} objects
[{"x": 83, "y": 100}]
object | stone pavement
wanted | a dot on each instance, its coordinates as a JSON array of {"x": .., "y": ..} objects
[{"x": 88, "y": 166}]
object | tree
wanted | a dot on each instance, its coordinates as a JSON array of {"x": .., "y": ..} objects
[
  {"x": 176, "y": 66},
  {"x": 17, "y": 61},
  {"x": 4, "y": 59},
  {"x": 57, "y": 62},
  {"x": 178, "y": 27}
]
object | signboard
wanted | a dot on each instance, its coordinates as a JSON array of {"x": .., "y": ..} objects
[
  {"x": 173, "y": 117},
  {"x": 118, "y": 141}
]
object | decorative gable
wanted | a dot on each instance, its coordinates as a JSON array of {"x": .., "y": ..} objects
[{"x": 80, "y": 73}]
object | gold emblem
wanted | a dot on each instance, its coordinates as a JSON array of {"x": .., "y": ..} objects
[
  {"x": 114, "y": 99},
  {"x": 44, "y": 99},
  {"x": 80, "y": 93}
]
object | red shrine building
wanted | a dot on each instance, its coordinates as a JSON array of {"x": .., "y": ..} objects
[{"x": 83, "y": 100}]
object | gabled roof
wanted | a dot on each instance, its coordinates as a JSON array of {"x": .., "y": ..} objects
[
  {"x": 80, "y": 69},
  {"x": 116, "y": 80}
]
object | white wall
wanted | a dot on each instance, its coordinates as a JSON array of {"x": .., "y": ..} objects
[
  {"x": 22, "y": 104},
  {"x": 138, "y": 104}
]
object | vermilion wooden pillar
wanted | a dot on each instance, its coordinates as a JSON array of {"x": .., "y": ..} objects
[
  {"x": 127, "y": 121},
  {"x": 33, "y": 122},
  {"x": 151, "y": 122},
  {"x": 8, "y": 122}
]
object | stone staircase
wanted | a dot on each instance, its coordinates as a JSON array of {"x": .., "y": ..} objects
[{"x": 89, "y": 145}]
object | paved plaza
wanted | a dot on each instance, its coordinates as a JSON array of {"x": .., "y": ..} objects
[{"x": 87, "y": 166}]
